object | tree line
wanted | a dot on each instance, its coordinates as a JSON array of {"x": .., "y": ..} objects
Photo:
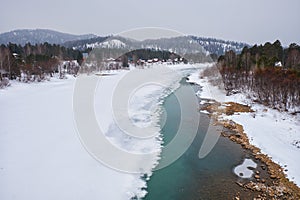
[
  {"x": 146, "y": 54},
  {"x": 269, "y": 72},
  {"x": 34, "y": 61}
]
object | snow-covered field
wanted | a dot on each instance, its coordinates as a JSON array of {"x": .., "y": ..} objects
[
  {"x": 41, "y": 155},
  {"x": 276, "y": 133}
]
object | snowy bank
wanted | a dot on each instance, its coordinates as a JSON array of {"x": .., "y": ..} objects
[
  {"x": 276, "y": 133},
  {"x": 41, "y": 155}
]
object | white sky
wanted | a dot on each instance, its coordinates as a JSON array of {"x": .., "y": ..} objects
[{"x": 252, "y": 21}]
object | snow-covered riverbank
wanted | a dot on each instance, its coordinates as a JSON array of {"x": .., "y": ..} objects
[
  {"x": 41, "y": 155},
  {"x": 276, "y": 133}
]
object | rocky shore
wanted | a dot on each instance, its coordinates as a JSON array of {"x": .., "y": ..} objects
[{"x": 269, "y": 180}]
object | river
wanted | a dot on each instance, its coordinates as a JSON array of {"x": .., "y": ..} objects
[{"x": 190, "y": 177}]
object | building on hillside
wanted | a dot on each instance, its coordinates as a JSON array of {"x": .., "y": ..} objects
[
  {"x": 85, "y": 56},
  {"x": 112, "y": 64}
]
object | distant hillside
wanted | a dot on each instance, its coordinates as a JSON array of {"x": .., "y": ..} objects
[
  {"x": 219, "y": 47},
  {"x": 115, "y": 46},
  {"x": 37, "y": 36},
  {"x": 181, "y": 45},
  {"x": 83, "y": 44}
]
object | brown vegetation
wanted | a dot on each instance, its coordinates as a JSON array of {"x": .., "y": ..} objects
[
  {"x": 33, "y": 61},
  {"x": 270, "y": 73}
]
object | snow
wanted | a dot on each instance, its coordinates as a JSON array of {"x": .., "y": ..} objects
[
  {"x": 243, "y": 171},
  {"x": 41, "y": 155},
  {"x": 276, "y": 133},
  {"x": 204, "y": 112},
  {"x": 111, "y": 43},
  {"x": 278, "y": 64}
]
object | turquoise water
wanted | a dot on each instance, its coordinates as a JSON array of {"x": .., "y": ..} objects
[{"x": 190, "y": 177}]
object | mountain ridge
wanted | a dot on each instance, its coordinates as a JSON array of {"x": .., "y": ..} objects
[
  {"x": 86, "y": 41},
  {"x": 36, "y": 36},
  {"x": 182, "y": 44}
]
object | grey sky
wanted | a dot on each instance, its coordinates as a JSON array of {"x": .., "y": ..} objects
[{"x": 252, "y": 21}]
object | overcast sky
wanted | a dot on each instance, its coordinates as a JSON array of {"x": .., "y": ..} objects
[{"x": 251, "y": 21}]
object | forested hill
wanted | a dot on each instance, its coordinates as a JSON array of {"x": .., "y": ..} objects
[
  {"x": 269, "y": 73},
  {"x": 183, "y": 44},
  {"x": 83, "y": 44},
  {"x": 219, "y": 47},
  {"x": 39, "y": 36}
]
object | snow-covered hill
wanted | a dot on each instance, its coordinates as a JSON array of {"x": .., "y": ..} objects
[
  {"x": 180, "y": 45},
  {"x": 35, "y": 36},
  {"x": 218, "y": 46}
]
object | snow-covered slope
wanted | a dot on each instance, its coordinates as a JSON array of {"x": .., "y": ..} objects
[
  {"x": 218, "y": 46},
  {"x": 111, "y": 43}
]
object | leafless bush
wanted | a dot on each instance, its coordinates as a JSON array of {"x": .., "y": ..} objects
[
  {"x": 213, "y": 75},
  {"x": 4, "y": 83}
]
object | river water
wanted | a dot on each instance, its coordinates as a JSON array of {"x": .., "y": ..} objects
[{"x": 190, "y": 177}]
